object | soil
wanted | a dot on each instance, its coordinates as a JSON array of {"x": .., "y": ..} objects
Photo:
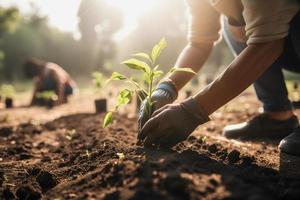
[{"x": 70, "y": 156}]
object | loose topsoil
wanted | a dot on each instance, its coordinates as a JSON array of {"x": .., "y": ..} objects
[{"x": 73, "y": 157}]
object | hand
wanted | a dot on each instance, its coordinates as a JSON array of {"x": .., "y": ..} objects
[
  {"x": 173, "y": 123},
  {"x": 164, "y": 94}
]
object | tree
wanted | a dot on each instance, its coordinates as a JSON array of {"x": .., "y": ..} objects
[{"x": 9, "y": 18}]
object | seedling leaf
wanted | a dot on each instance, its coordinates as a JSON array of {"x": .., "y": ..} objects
[
  {"x": 157, "y": 73},
  {"x": 124, "y": 97},
  {"x": 47, "y": 95},
  {"x": 121, "y": 156},
  {"x": 157, "y": 49},
  {"x": 116, "y": 76},
  {"x": 108, "y": 119},
  {"x": 143, "y": 55},
  {"x": 7, "y": 91},
  {"x": 137, "y": 64},
  {"x": 98, "y": 79}
]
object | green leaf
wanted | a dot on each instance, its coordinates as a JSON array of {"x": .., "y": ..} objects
[
  {"x": 143, "y": 55},
  {"x": 182, "y": 69},
  {"x": 7, "y": 91},
  {"x": 137, "y": 64},
  {"x": 108, "y": 119},
  {"x": 156, "y": 68},
  {"x": 157, "y": 73},
  {"x": 116, "y": 76},
  {"x": 47, "y": 95},
  {"x": 157, "y": 49},
  {"x": 124, "y": 97},
  {"x": 98, "y": 79}
]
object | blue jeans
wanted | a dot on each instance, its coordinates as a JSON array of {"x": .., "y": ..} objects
[{"x": 270, "y": 88}]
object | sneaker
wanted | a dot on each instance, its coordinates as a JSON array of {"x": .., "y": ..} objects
[
  {"x": 291, "y": 143},
  {"x": 262, "y": 126}
]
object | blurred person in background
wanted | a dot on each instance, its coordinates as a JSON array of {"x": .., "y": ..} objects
[
  {"x": 265, "y": 38},
  {"x": 48, "y": 76}
]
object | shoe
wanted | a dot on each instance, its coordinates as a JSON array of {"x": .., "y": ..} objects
[
  {"x": 261, "y": 126},
  {"x": 291, "y": 143},
  {"x": 290, "y": 155}
]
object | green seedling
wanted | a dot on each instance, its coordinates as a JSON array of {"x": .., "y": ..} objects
[
  {"x": 147, "y": 65},
  {"x": 47, "y": 95},
  {"x": 121, "y": 156},
  {"x": 203, "y": 139},
  {"x": 7, "y": 91},
  {"x": 99, "y": 81},
  {"x": 70, "y": 134}
]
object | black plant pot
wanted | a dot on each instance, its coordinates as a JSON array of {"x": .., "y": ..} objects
[
  {"x": 101, "y": 105},
  {"x": 9, "y": 102}
]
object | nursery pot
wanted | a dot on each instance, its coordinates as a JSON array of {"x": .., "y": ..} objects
[
  {"x": 9, "y": 102},
  {"x": 101, "y": 105}
]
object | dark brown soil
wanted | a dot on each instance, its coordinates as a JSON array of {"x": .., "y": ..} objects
[{"x": 73, "y": 157}]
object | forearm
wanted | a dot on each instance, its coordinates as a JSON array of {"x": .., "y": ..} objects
[
  {"x": 193, "y": 56},
  {"x": 60, "y": 92},
  {"x": 239, "y": 75}
]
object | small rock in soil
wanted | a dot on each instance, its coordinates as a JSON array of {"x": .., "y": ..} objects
[
  {"x": 213, "y": 148},
  {"x": 247, "y": 160},
  {"x": 1, "y": 178},
  {"x": 112, "y": 196},
  {"x": 46, "y": 180},
  {"x": 214, "y": 182},
  {"x": 234, "y": 156},
  {"x": 25, "y": 156},
  {"x": 34, "y": 171},
  {"x": 8, "y": 194},
  {"x": 6, "y": 131},
  {"x": 27, "y": 192},
  {"x": 46, "y": 159}
]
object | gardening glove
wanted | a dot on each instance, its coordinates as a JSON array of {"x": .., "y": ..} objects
[
  {"x": 173, "y": 123},
  {"x": 165, "y": 93}
]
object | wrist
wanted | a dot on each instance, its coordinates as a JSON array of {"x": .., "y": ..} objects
[
  {"x": 168, "y": 87},
  {"x": 191, "y": 106}
]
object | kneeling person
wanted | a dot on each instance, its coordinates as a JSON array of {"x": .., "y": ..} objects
[{"x": 49, "y": 76}]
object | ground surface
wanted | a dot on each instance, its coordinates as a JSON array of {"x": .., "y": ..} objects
[{"x": 65, "y": 154}]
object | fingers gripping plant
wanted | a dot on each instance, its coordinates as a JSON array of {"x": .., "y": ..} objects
[{"x": 147, "y": 65}]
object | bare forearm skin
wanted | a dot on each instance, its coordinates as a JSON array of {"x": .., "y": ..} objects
[
  {"x": 239, "y": 75},
  {"x": 193, "y": 56}
]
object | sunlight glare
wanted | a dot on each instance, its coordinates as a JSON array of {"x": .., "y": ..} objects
[{"x": 132, "y": 10}]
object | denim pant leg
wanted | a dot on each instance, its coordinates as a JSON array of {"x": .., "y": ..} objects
[{"x": 270, "y": 88}]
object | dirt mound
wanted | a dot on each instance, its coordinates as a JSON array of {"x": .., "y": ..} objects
[{"x": 74, "y": 158}]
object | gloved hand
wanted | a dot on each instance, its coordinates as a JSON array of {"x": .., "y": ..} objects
[
  {"x": 164, "y": 94},
  {"x": 173, "y": 123}
]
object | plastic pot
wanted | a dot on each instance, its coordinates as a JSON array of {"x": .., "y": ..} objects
[
  {"x": 9, "y": 102},
  {"x": 101, "y": 105}
]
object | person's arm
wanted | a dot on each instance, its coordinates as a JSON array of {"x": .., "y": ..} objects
[
  {"x": 193, "y": 56},
  {"x": 37, "y": 85},
  {"x": 239, "y": 75},
  {"x": 60, "y": 84}
]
